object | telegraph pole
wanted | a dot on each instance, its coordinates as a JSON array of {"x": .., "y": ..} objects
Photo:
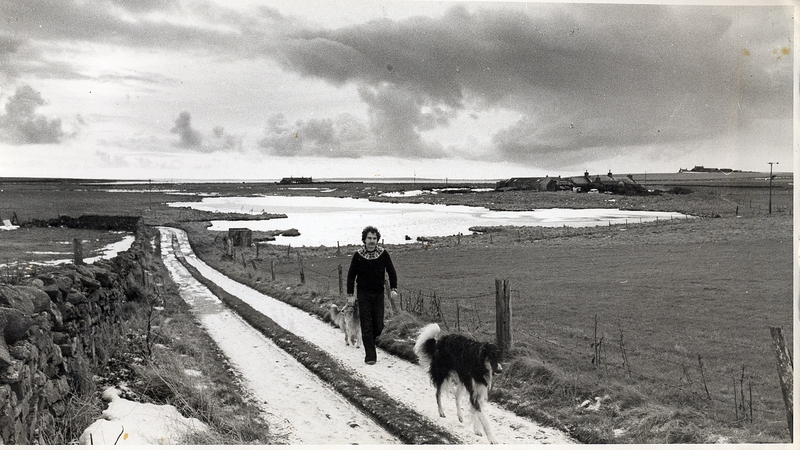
[{"x": 770, "y": 186}]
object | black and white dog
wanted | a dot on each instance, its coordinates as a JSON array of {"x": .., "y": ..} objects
[{"x": 467, "y": 364}]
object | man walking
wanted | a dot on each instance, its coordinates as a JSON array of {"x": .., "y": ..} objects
[{"x": 367, "y": 269}]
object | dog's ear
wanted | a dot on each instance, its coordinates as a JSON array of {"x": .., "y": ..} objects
[{"x": 491, "y": 352}]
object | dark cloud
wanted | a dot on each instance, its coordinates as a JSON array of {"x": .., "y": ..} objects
[
  {"x": 343, "y": 137},
  {"x": 21, "y": 125},
  {"x": 222, "y": 140},
  {"x": 218, "y": 140},
  {"x": 280, "y": 138},
  {"x": 188, "y": 136},
  {"x": 8, "y": 47},
  {"x": 398, "y": 117},
  {"x": 621, "y": 75},
  {"x": 107, "y": 23},
  {"x": 145, "y": 5},
  {"x": 581, "y": 78}
]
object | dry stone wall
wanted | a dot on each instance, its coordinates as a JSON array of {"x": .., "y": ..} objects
[
  {"x": 93, "y": 222},
  {"x": 46, "y": 330}
]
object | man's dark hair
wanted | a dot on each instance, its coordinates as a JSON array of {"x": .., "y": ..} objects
[{"x": 369, "y": 229}]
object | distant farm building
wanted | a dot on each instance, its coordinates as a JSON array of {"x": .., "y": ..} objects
[
  {"x": 529, "y": 184},
  {"x": 293, "y": 180},
  {"x": 701, "y": 169},
  {"x": 603, "y": 183}
]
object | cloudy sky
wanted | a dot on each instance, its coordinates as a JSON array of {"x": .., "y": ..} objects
[{"x": 195, "y": 89}]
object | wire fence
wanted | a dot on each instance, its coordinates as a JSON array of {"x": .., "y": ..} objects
[
  {"x": 736, "y": 392},
  {"x": 740, "y": 392}
]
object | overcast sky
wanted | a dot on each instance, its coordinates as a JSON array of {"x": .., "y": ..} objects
[{"x": 185, "y": 89}]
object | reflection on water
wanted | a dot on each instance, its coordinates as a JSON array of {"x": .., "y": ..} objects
[{"x": 328, "y": 221}]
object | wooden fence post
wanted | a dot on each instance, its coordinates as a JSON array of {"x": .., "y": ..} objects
[
  {"x": 703, "y": 376},
  {"x": 785, "y": 369},
  {"x": 302, "y": 272},
  {"x": 625, "y": 362},
  {"x": 503, "y": 308},
  {"x": 144, "y": 277},
  {"x": 77, "y": 248},
  {"x": 257, "y": 246},
  {"x": 458, "y": 316},
  {"x": 341, "y": 284},
  {"x": 596, "y": 345},
  {"x": 272, "y": 269}
]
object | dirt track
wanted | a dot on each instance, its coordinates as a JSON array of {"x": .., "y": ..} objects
[{"x": 313, "y": 413}]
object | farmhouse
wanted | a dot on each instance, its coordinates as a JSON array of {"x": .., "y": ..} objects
[
  {"x": 529, "y": 184},
  {"x": 603, "y": 183},
  {"x": 293, "y": 180},
  {"x": 701, "y": 169}
]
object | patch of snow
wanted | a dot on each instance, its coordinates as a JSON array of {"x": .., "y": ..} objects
[
  {"x": 417, "y": 192},
  {"x": 6, "y": 226},
  {"x": 107, "y": 252},
  {"x": 405, "y": 193},
  {"x": 126, "y": 422}
]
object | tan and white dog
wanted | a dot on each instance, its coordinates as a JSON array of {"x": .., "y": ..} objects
[{"x": 346, "y": 318}]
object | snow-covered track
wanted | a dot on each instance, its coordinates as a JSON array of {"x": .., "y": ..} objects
[{"x": 406, "y": 384}]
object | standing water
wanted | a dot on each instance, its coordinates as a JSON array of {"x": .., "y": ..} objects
[{"x": 330, "y": 221}]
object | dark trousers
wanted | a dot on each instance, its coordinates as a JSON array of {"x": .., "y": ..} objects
[{"x": 370, "y": 309}]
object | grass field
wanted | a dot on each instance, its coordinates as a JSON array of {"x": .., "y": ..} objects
[
  {"x": 671, "y": 292},
  {"x": 666, "y": 293}
]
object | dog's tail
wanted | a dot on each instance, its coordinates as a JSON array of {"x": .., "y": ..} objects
[
  {"x": 425, "y": 346},
  {"x": 335, "y": 311}
]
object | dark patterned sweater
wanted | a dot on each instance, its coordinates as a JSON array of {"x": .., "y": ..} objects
[{"x": 367, "y": 271}]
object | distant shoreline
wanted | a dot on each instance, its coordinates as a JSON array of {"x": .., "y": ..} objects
[
  {"x": 251, "y": 181},
  {"x": 644, "y": 178}
]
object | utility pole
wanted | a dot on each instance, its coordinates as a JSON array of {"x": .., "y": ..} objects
[{"x": 770, "y": 186}]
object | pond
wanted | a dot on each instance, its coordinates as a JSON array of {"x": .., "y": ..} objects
[{"x": 330, "y": 221}]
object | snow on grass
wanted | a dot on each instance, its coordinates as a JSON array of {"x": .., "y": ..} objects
[{"x": 126, "y": 422}]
